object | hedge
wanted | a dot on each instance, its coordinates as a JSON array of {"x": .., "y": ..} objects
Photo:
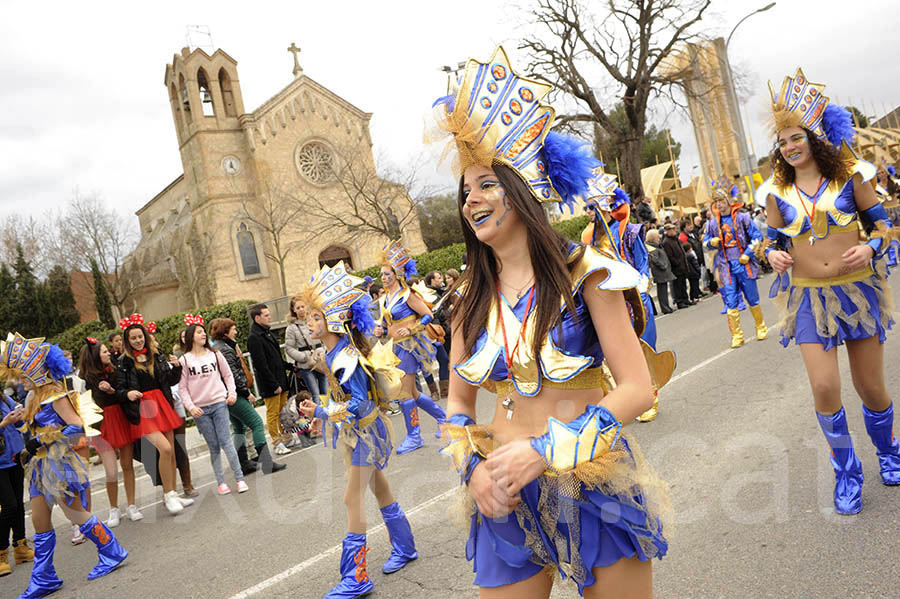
[
  {"x": 452, "y": 255},
  {"x": 167, "y": 328}
]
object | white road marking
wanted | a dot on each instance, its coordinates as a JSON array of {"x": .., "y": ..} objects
[
  {"x": 702, "y": 364},
  {"x": 293, "y": 570}
]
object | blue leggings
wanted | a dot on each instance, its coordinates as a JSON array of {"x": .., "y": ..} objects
[{"x": 740, "y": 283}]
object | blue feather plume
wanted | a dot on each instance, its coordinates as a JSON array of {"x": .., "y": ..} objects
[
  {"x": 409, "y": 270},
  {"x": 449, "y": 101},
  {"x": 734, "y": 191},
  {"x": 837, "y": 123},
  {"x": 892, "y": 171},
  {"x": 57, "y": 363},
  {"x": 622, "y": 196},
  {"x": 569, "y": 165},
  {"x": 360, "y": 316}
]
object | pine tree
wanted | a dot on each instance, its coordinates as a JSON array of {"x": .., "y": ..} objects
[
  {"x": 7, "y": 295},
  {"x": 61, "y": 300},
  {"x": 25, "y": 320},
  {"x": 101, "y": 297}
]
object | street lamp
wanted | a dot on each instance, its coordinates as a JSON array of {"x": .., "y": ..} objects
[
  {"x": 448, "y": 69},
  {"x": 740, "y": 121}
]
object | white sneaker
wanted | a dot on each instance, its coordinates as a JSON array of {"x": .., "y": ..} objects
[
  {"x": 280, "y": 449},
  {"x": 172, "y": 504},
  {"x": 133, "y": 513},
  {"x": 185, "y": 501},
  {"x": 114, "y": 517},
  {"x": 77, "y": 536},
  {"x": 292, "y": 442}
]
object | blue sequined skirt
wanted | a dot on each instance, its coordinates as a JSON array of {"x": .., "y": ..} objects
[
  {"x": 571, "y": 527},
  {"x": 831, "y": 311},
  {"x": 58, "y": 473},
  {"x": 367, "y": 445},
  {"x": 415, "y": 353}
]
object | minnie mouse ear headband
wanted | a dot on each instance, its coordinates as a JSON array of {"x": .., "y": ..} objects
[
  {"x": 190, "y": 319},
  {"x": 137, "y": 319},
  {"x": 90, "y": 341}
]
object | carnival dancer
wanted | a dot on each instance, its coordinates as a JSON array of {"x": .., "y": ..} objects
[
  {"x": 146, "y": 376},
  {"x": 56, "y": 475},
  {"x": 886, "y": 189},
  {"x": 612, "y": 231},
  {"x": 358, "y": 390},
  {"x": 116, "y": 430},
  {"x": 732, "y": 234},
  {"x": 836, "y": 293},
  {"x": 536, "y": 318},
  {"x": 404, "y": 318}
]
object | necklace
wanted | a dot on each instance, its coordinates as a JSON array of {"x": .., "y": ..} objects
[
  {"x": 812, "y": 212},
  {"x": 508, "y": 403},
  {"x": 521, "y": 290}
]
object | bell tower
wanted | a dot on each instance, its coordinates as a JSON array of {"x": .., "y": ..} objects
[{"x": 205, "y": 96}]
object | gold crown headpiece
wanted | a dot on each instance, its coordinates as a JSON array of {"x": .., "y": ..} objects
[
  {"x": 601, "y": 187},
  {"x": 396, "y": 256},
  {"x": 332, "y": 290},
  {"x": 496, "y": 117},
  {"x": 800, "y": 103},
  {"x": 40, "y": 362},
  {"x": 723, "y": 189}
]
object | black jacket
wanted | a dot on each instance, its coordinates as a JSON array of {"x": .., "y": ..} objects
[
  {"x": 227, "y": 347},
  {"x": 645, "y": 212},
  {"x": 659, "y": 265},
  {"x": 268, "y": 363},
  {"x": 675, "y": 253},
  {"x": 164, "y": 374},
  {"x": 131, "y": 409}
]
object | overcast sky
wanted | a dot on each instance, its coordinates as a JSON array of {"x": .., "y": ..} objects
[{"x": 84, "y": 105}]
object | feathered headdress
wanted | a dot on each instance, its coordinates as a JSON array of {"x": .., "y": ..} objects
[
  {"x": 801, "y": 103},
  {"x": 723, "y": 189},
  {"x": 332, "y": 291},
  {"x": 39, "y": 362},
  {"x": 397, "y": 257},
  {"x": 496, "y": 117},
  {"x": 604, "y": 189},
  {"x": 190, "y": 319}
]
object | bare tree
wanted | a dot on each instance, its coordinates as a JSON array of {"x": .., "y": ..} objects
[
  {"x": 88, "y": 229},
  {"x": 191, "y": 259},
  {"x": 356, "y": 199},
  {"x": 632, "y": 43},
  {"x": 278, "y": 212},
  {"x": 32, "y": 235}
]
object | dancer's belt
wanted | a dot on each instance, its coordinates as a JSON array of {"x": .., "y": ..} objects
[{"x": 853, "y": 277}]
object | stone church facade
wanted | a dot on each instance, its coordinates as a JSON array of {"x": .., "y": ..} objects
[{"x": 207, "y": 238}]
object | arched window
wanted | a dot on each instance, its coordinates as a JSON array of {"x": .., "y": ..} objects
[
  {"x": 185, "y": 100},
  {"x": 247, "y": 249},
  {"x": 334, "y": 254},
  {"x": 206, "y": 99},
  {"x": 227, "y": 93}
]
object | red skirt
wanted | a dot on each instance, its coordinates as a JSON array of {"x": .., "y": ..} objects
[
  {"x": 156, "y": 415},
  {"x": 115, "y": 429}
]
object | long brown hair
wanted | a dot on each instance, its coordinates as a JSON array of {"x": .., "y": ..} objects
[
  {"x": 547, "y": 249},
  {"x": 149, "y": 343},
  {"x": 828, "y": 159},
  {"x": 90, "y": 367}
]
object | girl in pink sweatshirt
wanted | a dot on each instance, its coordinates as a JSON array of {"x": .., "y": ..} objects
[{"x": 207, "y": 389}]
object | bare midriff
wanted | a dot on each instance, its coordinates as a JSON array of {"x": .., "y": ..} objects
[
  {"x": 405, "y": 323},
  {"x": 822, "y": 259},
  {"x": 530, "y": 415}
]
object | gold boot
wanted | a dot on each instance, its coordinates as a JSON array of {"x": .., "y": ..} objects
[
  {"x": 761, "y": 331},
  {"x": 4, "y": 562},
  {"x": 652, "y": 412},
  {"x": 22, "y": 552},
  {"x": 734, "y": 325}
]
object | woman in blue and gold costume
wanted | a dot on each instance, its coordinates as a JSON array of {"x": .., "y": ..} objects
[
  {"x": 360, "y": 383},
  {"x": 556, "y": 486},
  {"x": 405, "y": 318},
  {"x": 55, "y": 475},
  {"x": 610, "y": 230},
  {"x": 836, "y": 293}
]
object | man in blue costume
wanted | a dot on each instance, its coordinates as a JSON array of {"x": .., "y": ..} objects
[{"x": 734, "y": 237}]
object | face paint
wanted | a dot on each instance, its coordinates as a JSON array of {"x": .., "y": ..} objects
[{"x": 501, "y": 193}]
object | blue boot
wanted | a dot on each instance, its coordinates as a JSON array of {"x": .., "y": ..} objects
[
  {"x": 43, "y": 576},
  {"x": 848, "y": 475},
  {"x": 403, "y": 545},
  {"x": 354, "y": 576},
  {"x": 880, "y": 426},
  {"x": 109, "y": 551},
  {"x": 413, "y": 440},
  {"x": 433, "y": 410}
]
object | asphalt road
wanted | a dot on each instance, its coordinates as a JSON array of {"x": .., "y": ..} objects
[{"x": 736, "y": 439}]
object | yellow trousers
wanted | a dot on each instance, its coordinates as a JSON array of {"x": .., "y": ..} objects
[{"x": 274, "y": 405}]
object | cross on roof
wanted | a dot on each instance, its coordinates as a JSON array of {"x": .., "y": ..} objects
[{"x": 295, "y": 50}]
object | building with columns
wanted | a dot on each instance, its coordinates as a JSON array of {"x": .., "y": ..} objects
[{"x": 238, "y": 223}]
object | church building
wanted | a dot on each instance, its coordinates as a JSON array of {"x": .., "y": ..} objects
[{"x": 247, "y": 218}]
